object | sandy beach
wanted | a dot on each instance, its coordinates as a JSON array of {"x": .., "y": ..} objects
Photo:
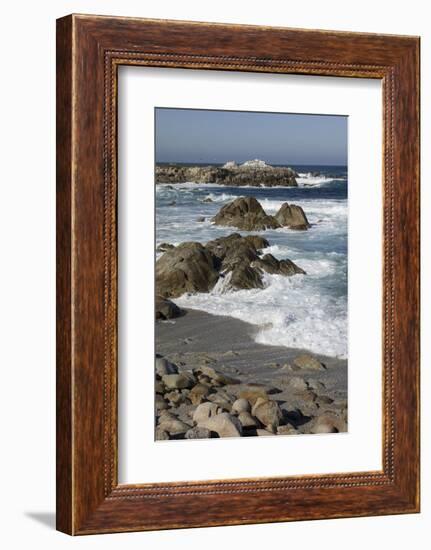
[{"x": 226, "y": 345}]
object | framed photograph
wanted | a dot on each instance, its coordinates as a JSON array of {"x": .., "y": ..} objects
[{"x": 237, "y": 274}]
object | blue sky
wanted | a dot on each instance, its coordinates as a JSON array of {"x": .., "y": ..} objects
[{"x": 193, "y": 135}]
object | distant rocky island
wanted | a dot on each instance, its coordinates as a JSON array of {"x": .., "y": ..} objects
[{"x": 256, "y": 173}]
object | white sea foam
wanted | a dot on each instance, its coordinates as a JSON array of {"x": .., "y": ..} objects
[
  {"x": 303, "y": 311},
  {"x": 307, "y": 179},
  {"x": 291, "y": 311},
  {"x": 224, "y": 197}
]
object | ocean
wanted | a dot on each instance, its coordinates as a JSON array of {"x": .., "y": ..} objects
[{"x": 304, "y": 311}]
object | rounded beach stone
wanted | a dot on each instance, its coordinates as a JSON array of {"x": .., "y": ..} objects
[
  {"x": 159, "y": 387},
  {"x": 163, "y": 366},
  {"x": 166, "y": 309},
  {"x": 297, "y": 383},
  {"x": 180, "y": 381},
  {"x": 198, "y": 393},
  {"x": 160, "y": 403},
  {"x": 198, "y": 433},
  {"x": 176, "y": 398},
  {"x": 241, "y": 405},
  {"x": 253, "y": 393},
  {"x": 224, "y": 424},
  {"x": 268, "y": 413},
  {"x": 205, "y": 411},
  {"x": 214, "y": 375},
  {"x": 173, "y": 425},
  {"x": 306, "y": 361},
  {"x": 287, "y": 430},
  {"x": 247, "y": 421},
  {"x": 260, "y": 431},
  {"x": 161, "y": 435},
  {"x": 328, "y": 423}
]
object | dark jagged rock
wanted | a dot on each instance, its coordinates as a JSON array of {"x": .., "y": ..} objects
[
  {"x": 165, "y": 309},
  {"x": 254, "y": 173},
  {"x": 164, "y": 246},
  {"x": 270, "y": 264},
  {"x": 187, "y": 268},
  {"x": 233, "y": 260},
  {"x": 244, "y": 277},
  {"x": 257, "y": 241},
  {"x": 292, "y": 216},
  {"x": 245, "y": 213},
  {"x": 220, "y": 246}
]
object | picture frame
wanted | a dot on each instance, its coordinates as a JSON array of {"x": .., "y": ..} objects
[{"x": 89, "y": 51}]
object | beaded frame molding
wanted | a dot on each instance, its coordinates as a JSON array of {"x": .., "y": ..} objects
[{"x": 89, "y": 51}]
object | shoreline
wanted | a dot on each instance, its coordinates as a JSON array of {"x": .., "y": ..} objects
[
  {"x": 305, "y": 395},
  {"x": 237, "y": 336}
]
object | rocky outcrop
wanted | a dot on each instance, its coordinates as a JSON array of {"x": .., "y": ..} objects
[
  {"x": 166, "y": 309},
  {"x": 162, "y": 247},
  {"x": 189, "y": 267},
  {"x": 292, "y": 216},
  {"x": 245, "y": 213},
  {"x": 233, "y": 262},
  {"x": 255, "y": 173},
  {"x": 270, "y": 264}
]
